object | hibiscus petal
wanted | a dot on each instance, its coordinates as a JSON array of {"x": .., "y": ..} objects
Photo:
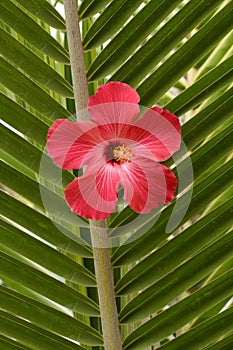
[
  {"x": 114, "y": 102},
  {"x": 172, "y": 118},
  {"x": 71, "y": 145},
  {"x": 147, "y": 185},
  {"x": 94, "y": 195},
  {"x": 160, "y": 133},
  {"x": 55, "y": 125}
]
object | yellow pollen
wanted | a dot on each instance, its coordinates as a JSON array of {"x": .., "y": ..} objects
[{"x": 122, "y": 154}]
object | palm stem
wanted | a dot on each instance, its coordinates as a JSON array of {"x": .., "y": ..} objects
[
  {"x": 99, "y": 235},
  {"x": 105, "y": 284},
  {"x": 76, "y": 55}
]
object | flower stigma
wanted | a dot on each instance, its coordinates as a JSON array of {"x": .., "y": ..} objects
[{"x": 122, "y": 154}]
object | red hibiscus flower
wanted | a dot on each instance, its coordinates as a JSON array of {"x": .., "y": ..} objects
[{"x": 119, "y": 148}]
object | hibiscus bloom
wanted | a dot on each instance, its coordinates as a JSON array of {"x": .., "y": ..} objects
[{"x": 119, "y": 148}]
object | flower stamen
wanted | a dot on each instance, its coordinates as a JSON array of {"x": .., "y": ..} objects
[{"x": 122, "y": 154}]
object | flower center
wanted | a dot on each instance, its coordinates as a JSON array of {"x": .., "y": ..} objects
[{"x": 122, "y": 154}]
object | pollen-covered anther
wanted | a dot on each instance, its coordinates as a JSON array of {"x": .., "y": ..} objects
[{"x": 122, "y": 154}]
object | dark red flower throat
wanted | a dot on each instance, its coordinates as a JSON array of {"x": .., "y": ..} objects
[{"x": 118, "y": 153}]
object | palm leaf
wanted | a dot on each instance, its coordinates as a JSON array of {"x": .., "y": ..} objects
[{"x": 172, "y": 276}]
